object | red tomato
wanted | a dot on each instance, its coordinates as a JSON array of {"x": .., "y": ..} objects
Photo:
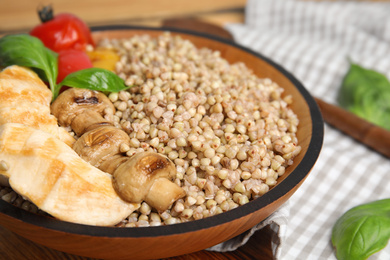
[
  {"x": 62, "y": 32},
  {"x": 70, "y": 61}
]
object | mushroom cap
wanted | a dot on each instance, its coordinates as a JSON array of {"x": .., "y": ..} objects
[
  {"x": 133, "y": 179},
  {"x": 100, "y": 144},
  {"x": 75, "y": 101}
]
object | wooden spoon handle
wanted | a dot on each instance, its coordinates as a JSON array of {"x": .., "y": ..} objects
[{"x": 369, "y": 134}]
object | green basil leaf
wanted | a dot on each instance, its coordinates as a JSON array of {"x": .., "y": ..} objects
[
  {"x": 366, "y": 93},
  {"x": 93, "y": 79},
  {"x": 362, "y": 230},
  {"x": 28, "y": 51}
]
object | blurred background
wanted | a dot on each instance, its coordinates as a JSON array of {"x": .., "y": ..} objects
[
  {"x": 21, "y": 15},
  {"x": 306, "y": 240}
]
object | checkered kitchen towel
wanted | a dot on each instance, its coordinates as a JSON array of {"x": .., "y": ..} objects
[{"x": 315, "y": 40}]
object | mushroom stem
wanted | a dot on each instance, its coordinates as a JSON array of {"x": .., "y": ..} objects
[
  {"x": 93, "y": 118},
  {"x": 163, "y": 193},
  {"x": 112, "y": 163}
]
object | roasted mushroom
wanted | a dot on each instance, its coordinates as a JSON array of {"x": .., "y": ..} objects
[
  {"x": 101, "y": 145},
  {"x": 143, "y": 177},
  {"x": 81, "y": 109},
  {"x": 148, "y": 177}
]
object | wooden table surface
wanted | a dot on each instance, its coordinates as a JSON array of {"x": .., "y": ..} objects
[
  {"x": 20, "y": 16},
  {"x": 15, "y": 247}
]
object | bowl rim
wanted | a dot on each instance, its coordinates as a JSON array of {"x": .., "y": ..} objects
[{"x": 300, "y": 172}]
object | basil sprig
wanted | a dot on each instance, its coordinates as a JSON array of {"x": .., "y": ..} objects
[
  {"x": 366, "y": 93},
  {"x": 28, "y": 51},
  {"x": 362, "y": 230},
  {"x": 93, "y": 79}
]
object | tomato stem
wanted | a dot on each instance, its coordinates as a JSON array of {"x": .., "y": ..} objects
[{"x": 45, "y": 13}]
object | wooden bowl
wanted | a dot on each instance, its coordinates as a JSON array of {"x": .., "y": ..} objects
[{"x": 183, "y": 238}]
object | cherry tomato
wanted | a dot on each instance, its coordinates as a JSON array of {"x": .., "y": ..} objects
[
  {"x": 70, "y": 61},
  {"x": 62, "y": 32}
]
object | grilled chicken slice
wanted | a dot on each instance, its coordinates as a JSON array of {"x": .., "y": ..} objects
[
  {"x": 51, "y": 175},
  {"x": 25, "y": 99}
]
